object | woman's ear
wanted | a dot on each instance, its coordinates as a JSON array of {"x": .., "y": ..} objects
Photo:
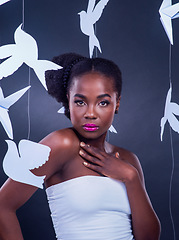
[{"x": 117, "y": 104}]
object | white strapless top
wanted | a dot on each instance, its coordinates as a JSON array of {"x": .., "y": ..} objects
[{"x": 90, "y": 208}]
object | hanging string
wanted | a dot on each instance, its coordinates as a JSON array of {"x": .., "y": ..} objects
[
  {"x": 170, "y": 64},
  {"x": 23, "y": 14},
  {"x": 172, "y": 151},
  {"x": 29, "y": 79},
  {"x": 95, "y": 31},
  {"x": 170, "y": 187},
  {"x": 96, "y": 55},
  {"x": 28, "y": 108}
]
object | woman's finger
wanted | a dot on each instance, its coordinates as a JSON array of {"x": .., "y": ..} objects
[
  {"x": 93, "y": 167},
  {"x": 93, "y": 151},
  {"x": 89, "y": 158},
  {"x": 117, "y": 155}
]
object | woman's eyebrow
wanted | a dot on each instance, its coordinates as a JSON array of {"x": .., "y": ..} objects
[
  {"x": 79, "y": 95},
  {"x": 104, "y": 95},
  {"x": 100, "y": 96}
]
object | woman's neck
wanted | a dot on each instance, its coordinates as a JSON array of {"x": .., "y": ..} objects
[{"x": 99, "y": 142}]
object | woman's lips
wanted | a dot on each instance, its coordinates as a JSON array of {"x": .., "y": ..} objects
[{"x": 90, "y": 127}]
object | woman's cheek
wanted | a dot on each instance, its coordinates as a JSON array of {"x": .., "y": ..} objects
[{"x": 77, "y": 114}]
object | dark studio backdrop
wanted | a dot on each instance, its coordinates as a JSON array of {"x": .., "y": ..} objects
[{"x": 130, "y": 34}]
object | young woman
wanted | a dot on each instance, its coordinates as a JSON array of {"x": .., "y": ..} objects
[{"x": 95, "y": 190}]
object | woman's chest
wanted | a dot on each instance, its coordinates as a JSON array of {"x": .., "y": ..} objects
[{"x": 71, "y": 169}]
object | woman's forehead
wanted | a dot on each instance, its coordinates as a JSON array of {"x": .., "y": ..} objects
[{"x": 92, "y": 82}]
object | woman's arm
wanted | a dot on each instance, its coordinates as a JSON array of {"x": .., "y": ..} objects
[
  {"x": 145, "y": 223},
  {"x": 12, "y": 196}
]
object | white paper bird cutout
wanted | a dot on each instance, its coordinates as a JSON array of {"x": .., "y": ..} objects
[
  {"x": 111, "y": 129},
  {"x": 5, "y": 104},
  {"x": 167, "y": 13},
  {"x": 171, "y": 109},
  {"x": 24, "y": 50},
  {"x": 61, "y": 110},
  {"x": 3, "y": 1},
  {"x": 87, "y": 21},
  {"x": 17, "y": 164}
]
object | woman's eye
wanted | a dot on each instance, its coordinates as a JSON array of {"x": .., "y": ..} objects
[
  {"x": 104, "y": 103},
  {"x": 79, "y": 102}
]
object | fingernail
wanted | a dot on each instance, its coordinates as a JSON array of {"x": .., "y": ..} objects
[
  {"x": 85, "y": 163},
  {"x": 88, "y": 145},
  {"x": 117, "y": 155},
  {"x": 81, "y": 152},
  {"x": 82, "y": 144}
]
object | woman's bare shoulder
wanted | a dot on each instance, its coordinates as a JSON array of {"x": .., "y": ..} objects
[
  {"x": 129, "y": 157},
  {"x": 64, "y": 145},
  {"x": 61, "y": 139}
]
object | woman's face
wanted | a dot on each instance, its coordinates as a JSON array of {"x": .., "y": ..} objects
[{"x": 92, "y": 103}]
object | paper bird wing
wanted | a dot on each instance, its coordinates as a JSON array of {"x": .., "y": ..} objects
[
  {"x": 169, "y": 94},
  {"x": 7, "y": 50},
  {"x": 165, "y": 4},
  {"x": 162, "y": 125},
  {"x": 11, "y": 155},
  {"x": 34, "y": 154},
  {"x": 6, "y": 122},
  {"x": 9, "y": 66},
  {"x": 98, "y": 10},
  {"x": 1, "y": 94},
  {"x": 40, "y": 66},
  {"x": 174, "y": 123},
  {"x": 167, "y": 112},
  {"x": 174, "y": 107},
  {"x": 172, "y": 10},
  {"x": 4, "y": 117},
  {"x": 11, "y": 99},
  {"x": 3, "y": 1},
  {"x": 91, "y": 4},
  {"x": 167, "y": 24},
  {"x": 175, "y": 16},
  {"x": 112, "y": 129},
  {"x": 61, "y": 110},
  {"x": 168, "y": 101}
]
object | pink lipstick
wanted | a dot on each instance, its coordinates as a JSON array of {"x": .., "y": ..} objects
[{"x": 90, "y": 127}]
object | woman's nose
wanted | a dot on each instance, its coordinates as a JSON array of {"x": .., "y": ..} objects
[{"x": 90, "y": 113}]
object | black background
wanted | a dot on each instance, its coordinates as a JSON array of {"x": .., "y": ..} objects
[{"x": 130, "y": 34}]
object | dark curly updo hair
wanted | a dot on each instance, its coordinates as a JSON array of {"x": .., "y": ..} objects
[{"x": 59, "y": 81}]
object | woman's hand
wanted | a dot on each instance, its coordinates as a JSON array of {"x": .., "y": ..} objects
[{"x": 107, "y": 164}]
